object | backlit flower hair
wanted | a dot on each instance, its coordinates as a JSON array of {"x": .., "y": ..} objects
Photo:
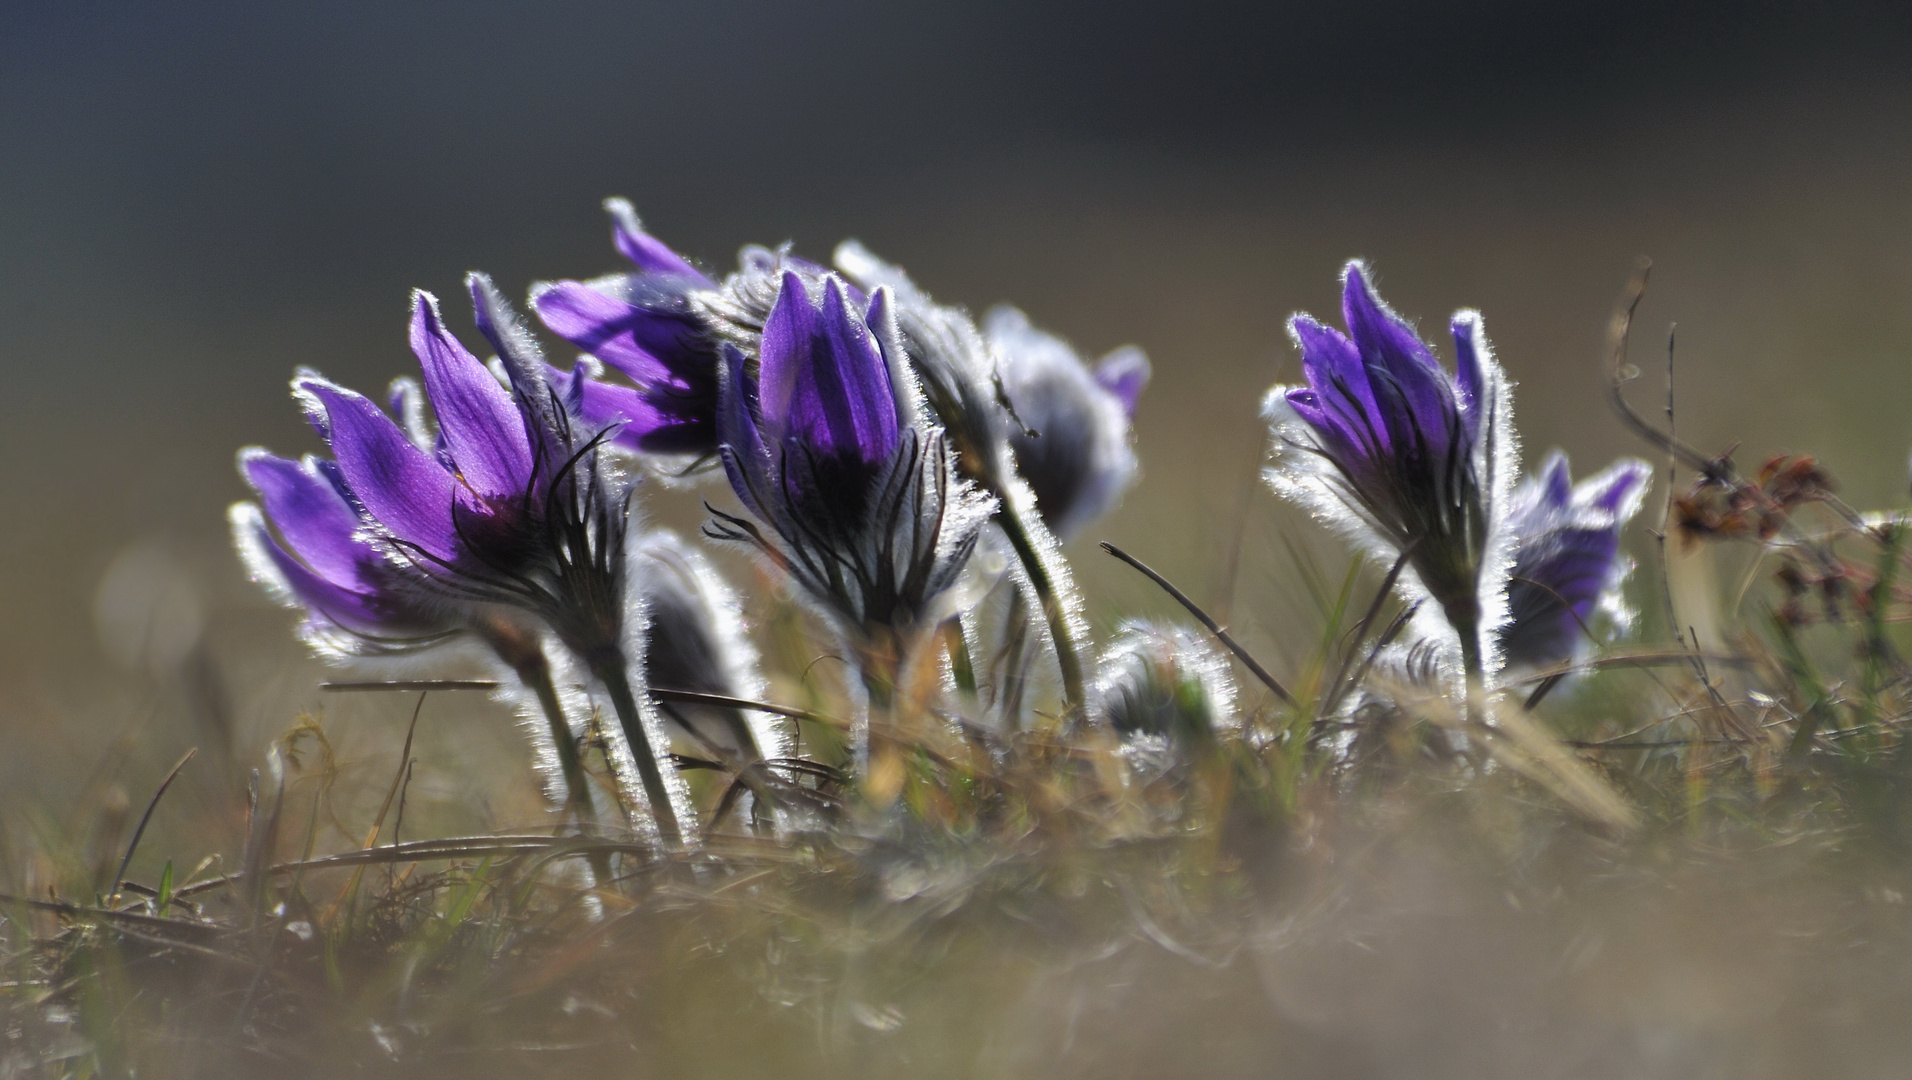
[{"x": 1166, "y": 681}]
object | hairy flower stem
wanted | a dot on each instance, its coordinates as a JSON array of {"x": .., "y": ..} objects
[
  {"x": 578, "y": 803},
  {"x": 1464, "y": 617},
  {"x": 537, "y": 676},
  {"x": 522, "y": 653},
  {"x": 880, "y": 663},
  {"x": 615, "y": 675},
  {"x": 961, "y": 664},
  {"x": 1067, "y": 659}
]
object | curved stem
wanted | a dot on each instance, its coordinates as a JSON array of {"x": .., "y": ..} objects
[
  {"x": 1067, "y": 658},
  {"x": 615, "y": 676}
]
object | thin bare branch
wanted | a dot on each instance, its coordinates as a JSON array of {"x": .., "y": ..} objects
[{"x": 1214, "y": 628}]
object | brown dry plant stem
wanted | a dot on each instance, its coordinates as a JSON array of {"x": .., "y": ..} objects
[
  {"x": 1221, "y": 635},
  {"x": 144, "y": 820}
]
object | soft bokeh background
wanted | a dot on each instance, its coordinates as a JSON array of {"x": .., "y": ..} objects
[{"x": 196, "y": 198}]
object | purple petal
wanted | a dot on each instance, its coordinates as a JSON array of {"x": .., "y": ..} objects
[
  {"x": 1308, "y": 404},
  {"x": 1470, "y": 347},
  {"x": 402, "y": 487},
  {"x": 1124, "y": 373},
  {"x": 824, "y": 381},
  {"x": 642, "y": 420},
  {"x": 1578, "y": 566},
  {"x": 316, "y": 521},
  {"x": 522, "y": 362},
  {"x": 1623, "y": 479},
  {"x": 501, "y": 326},
  {"x": 484, "y": 430},
  {"x": 1556, "y": 484},
  {"x": 648, "y": 346},
  {"x": 649, "y": 253},
  {"x": 1328, "y": 430},
  {"x": 321, "y": 598},
  {"x": 1377, "y": 330},
  {"x": 1344, "y": 398},
  {"x": 740, "y": 443},
  {"x": 1395, "y": 354},
  {"x": 879, "y": 316},
  {"x": 789, "y": 334}
]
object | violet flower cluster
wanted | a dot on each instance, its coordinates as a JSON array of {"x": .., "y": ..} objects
[
  {"x": 667, "y": 328},
  {"x": 1386, "y": 446},
  {"x": 875, "y": 442}
]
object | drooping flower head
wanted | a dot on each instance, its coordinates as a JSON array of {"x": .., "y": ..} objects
[
  {"x": 504, "y": 502},
  {"x": 504, "y": 511},
  {"x": 1072, "y": 433},
  {"x": 1568, "y": 566},
  {"x": 1386, "y": 445},
  {"x": 645, "y": 325},
  {"x": 406, "y": 529},
  {"x": 823, "y": 442},
  {"x": 1166, "y": 682}
]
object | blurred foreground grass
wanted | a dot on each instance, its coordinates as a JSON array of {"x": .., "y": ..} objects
[{"x": 1726, "y": 898}]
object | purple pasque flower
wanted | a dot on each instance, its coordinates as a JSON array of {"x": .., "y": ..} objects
[
  {"x": 505, "y": 509},
  {"x": 822, "y": 442},
  {"x": 1388, "y": 447},
  {"x": 407, "y": 527},
  {"x": 309, "y": 543},
  {"x": 1568, "y": 566},
  {"x": 1072, "y": 430},
  {"x": 463, "y": 516},
  {"x": 961, "y": 381},
  {"x": 645, "y": 325}
]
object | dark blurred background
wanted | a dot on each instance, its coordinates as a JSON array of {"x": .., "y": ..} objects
[{"x": 196, "y": 198}]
